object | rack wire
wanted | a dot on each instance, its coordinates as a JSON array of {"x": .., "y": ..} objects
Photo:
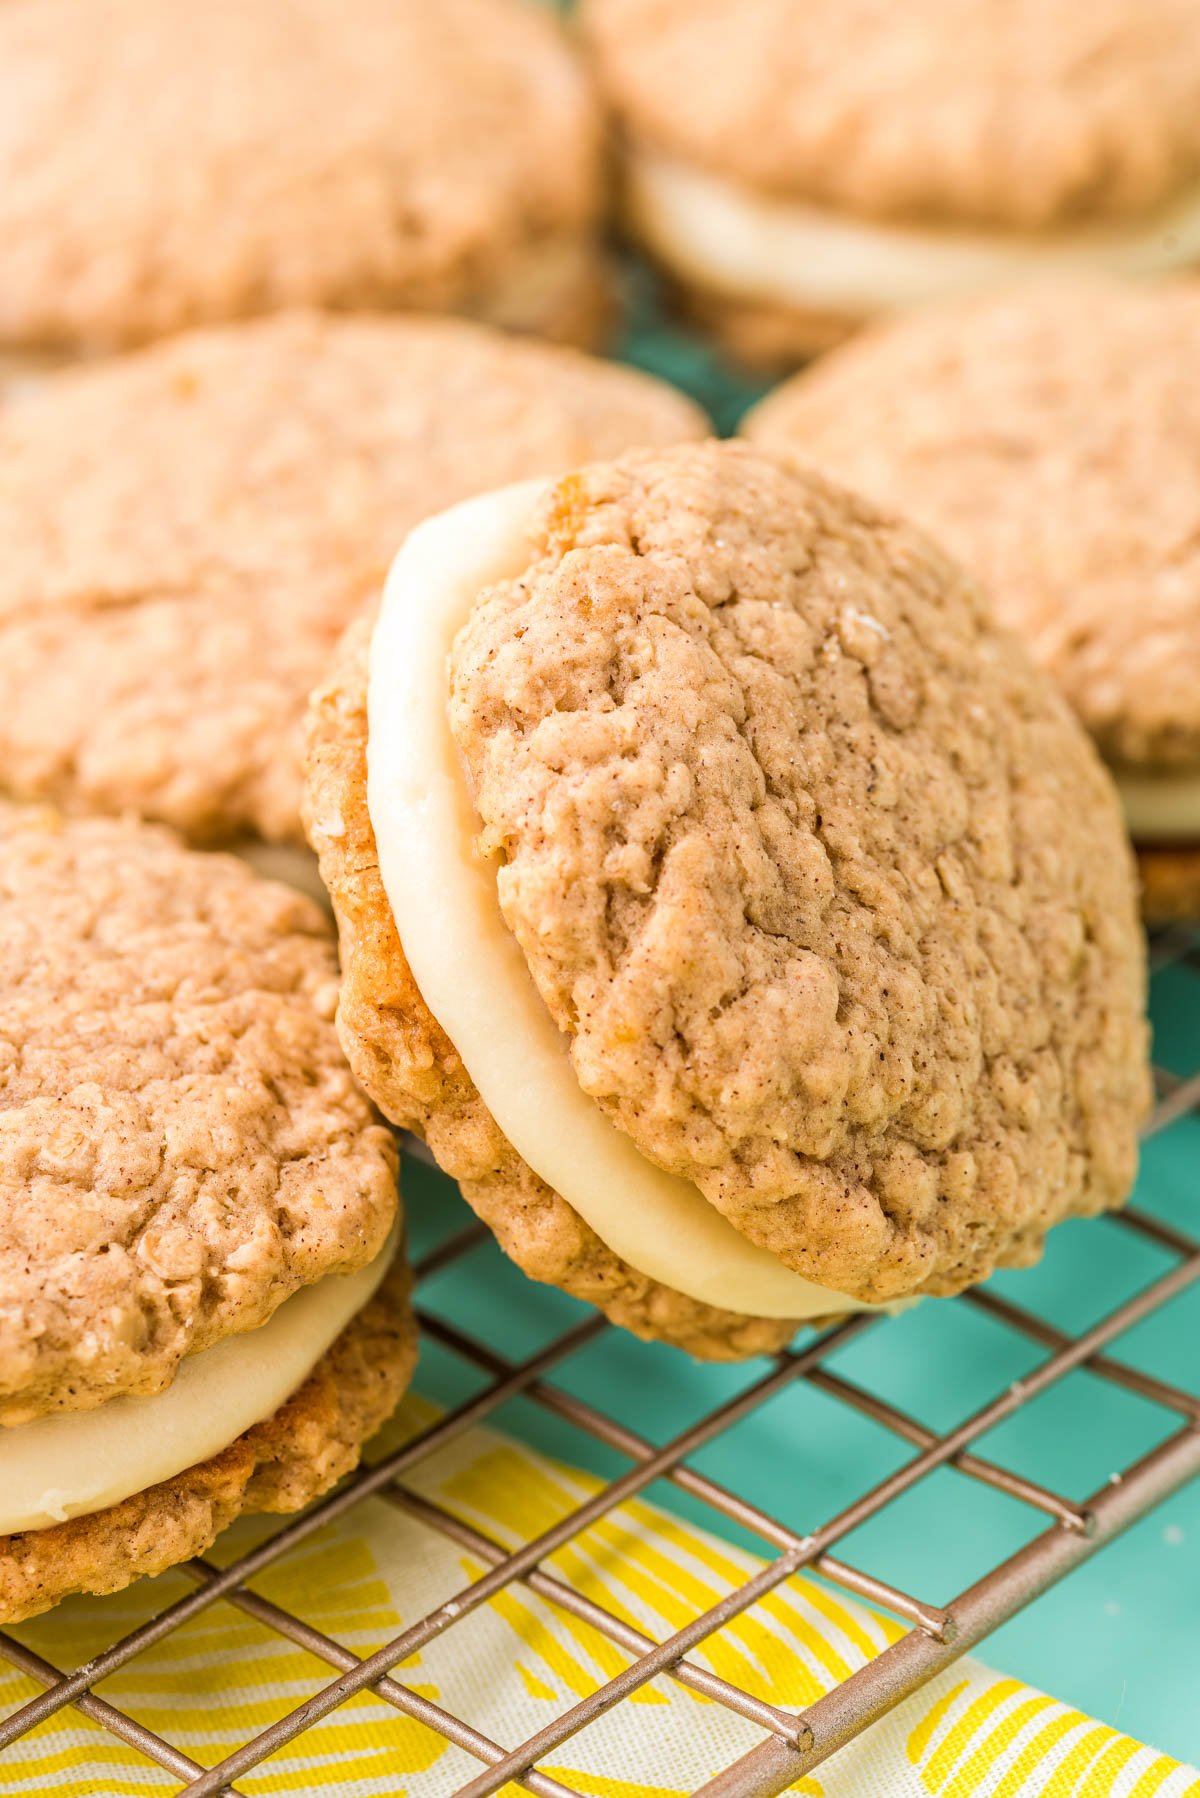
[{"x": 793, "y": 1743}]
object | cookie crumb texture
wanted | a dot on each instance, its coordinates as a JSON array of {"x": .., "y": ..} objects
[
  {"x": 279, "y": 1465},
  {"x": 364, "y": 154},
  {"x": 165, "y": 611},
  {"x": 182, "y": 1145},
  {"x": 1017, "y": 113},
  {"x": 825, "y": 887},
  {"x": 1045, "y": 438}
]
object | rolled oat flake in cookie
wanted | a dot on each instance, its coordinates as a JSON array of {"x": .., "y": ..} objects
[
  {"x": 1051, "y": 439},
  {"x": 203, "y": 1301},
  {"x": 167, "y": 166},
  {"x": 185, "y": 533},
  {"x": 785, "y": 958},
  {"x": 799, "y": 167}
]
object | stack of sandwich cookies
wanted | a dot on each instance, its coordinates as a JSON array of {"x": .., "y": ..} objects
[
  {"x": 205, "y": 1308},
  {"x": 363, "y": 154},
  {"x": 785, "y": 956},
  {"x": 186, "y": 532},
  {"x": 1050, "y": 439},
  {"x": 798, "y": 170}
]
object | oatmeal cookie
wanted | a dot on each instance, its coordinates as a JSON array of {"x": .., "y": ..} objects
[
  {"x": 204, "y": 1303},
  {"x": 182, "y": 1145},
  {"x": 799, "y": 170},
  {"x": 1047, "y": 440},
  {"x": 281, "y": 1464},
  {"x": 822, "y": 885},
  {"x": 364, "y": 155},
  {"x": 165, "y": 611}
]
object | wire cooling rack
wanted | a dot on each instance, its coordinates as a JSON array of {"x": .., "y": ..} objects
[{"x": 793, "y": 1743}]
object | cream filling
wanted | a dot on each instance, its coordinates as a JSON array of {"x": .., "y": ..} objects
[
  {"x": 1162, "y": 808},
  {"x": 79, "y": 1462},
  {"x": 469, "y": 967},
  {"x": 719, "y": 235}
]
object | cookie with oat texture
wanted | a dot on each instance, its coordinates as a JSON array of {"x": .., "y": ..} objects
[
  {"x": 163, "y": 168},
  {"x": 185, "y": 533},
  {"x": 798, "y": 170},
  {"x": 204, "y": 1307},
  {"x": 1047, "y": 440},
  {"x": 785, "y": 956}
]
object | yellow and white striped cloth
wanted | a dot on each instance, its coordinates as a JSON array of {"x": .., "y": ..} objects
[{"x": 519, "y": 1662}]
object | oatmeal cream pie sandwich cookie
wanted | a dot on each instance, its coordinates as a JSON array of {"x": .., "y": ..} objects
[
  {"x": 168, "y": 166},
  {"x": 801, "y": 166},
  {"x": 204, "y": 1306},
  {"x": 186, "y": 532},
  {"x": 737, "y": 914},
  {"x": 1051, "y": 440}
]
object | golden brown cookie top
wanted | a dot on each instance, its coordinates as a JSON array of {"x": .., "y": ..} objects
[
  {"x": 1051, "y": 440},
  {"x": 822, "y": 882},
  {"x": 182, "y": 1145},
  {"x": 184, "y": 534},
  {"x": 1022, "y": 113},
  {"x": 164, "y": 166}
]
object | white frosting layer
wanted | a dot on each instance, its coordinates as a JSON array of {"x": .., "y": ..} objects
[
  {"x": 468, "y": 965},
  {"x": 80, "y": 1462},
  {"x": 722, "y": 236},
  {"x": 1161, "y": 808}
]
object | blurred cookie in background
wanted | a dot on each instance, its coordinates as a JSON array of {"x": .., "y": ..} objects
[
  {"x": 798, "y": 167},
  {"x": 165, "y": 166},
  {"x": 1051, "y": 440},
  {"x": 185, "y": 532}
]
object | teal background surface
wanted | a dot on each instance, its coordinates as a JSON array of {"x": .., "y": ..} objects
[{"x": 1120, "y": 1637}]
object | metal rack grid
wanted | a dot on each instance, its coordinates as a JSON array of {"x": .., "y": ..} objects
[{"x": 793, "y": 1743}]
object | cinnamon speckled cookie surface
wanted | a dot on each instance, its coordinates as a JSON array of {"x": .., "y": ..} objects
[
  {"x": 1050, "y": 440},
  {"x": 182, "y": 1145},
  {"x": 345, "y": 154},
  {"x": 185, "y": 533},
  {"x": 825, "y": 888},
  {"x": 1021, "y": 113}
]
